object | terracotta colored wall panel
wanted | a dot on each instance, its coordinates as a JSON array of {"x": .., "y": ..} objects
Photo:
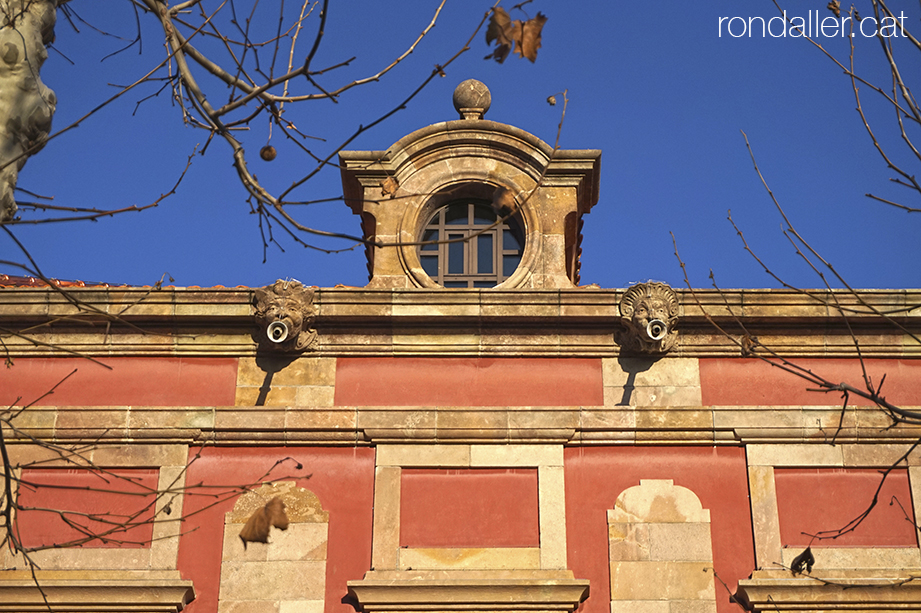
[
  {"x": 130, "y": 382},
  {"x": 810, "y": 500},
  {"x": 81, "y": 491},
  {"x": 468, "y": 381},
  {"x": 469, "y": 508},
  {"x": 749, "y": 381},
  {"x": 343, "y": 479},
  {"x": 595, "y": 476}
]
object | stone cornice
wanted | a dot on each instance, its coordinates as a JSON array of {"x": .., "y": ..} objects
[
  {"x": 340, "y": 425},
  {"x": 96, "y": 590},
  {"x": 859, "y": 590},
  {"x": 539, "y": 590},
  {"x": 355, "y": 321}
]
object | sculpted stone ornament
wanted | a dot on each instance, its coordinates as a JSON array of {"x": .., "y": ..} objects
[
  {"x": 284, "y": 312},
  {"x": 649, "y": 316}
]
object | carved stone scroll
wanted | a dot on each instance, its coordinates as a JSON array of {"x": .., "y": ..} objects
[
  {"x": 649, "y": 316},
  {"x": 284, "y": 313}
]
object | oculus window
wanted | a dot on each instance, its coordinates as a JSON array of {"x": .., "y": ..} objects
[{"x": 476, "y": 250}]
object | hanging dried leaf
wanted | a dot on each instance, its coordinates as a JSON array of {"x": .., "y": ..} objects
[
  {"x": 500, "y": 29},
  {"x": 260, "y": 522},
  {"x": 389, "y": 187},
  {"x": 529, "y": 42},
  {"x": 803, "y": 562},
  {"x": 524, "y": 37},
  {"x": 503, "y": 200},
  {"x": 748, "y": 344},
  {"x": 835, "y": 7}
]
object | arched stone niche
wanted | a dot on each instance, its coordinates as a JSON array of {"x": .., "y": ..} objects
[
  {"x": 396, "y": 192},
  {"x": 660, "y": 552},
  {"x": 288, "y": 573}
]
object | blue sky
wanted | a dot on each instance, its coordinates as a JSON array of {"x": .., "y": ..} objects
[{"x": 653, "y": 85}]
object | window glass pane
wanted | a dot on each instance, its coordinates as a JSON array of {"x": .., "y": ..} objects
[
  {"x": 430, "y": 265},
  {"x": 456, "y": 213},
  {"x": 479, "y": 261},
  {"x": 483, "y": 214},
  {"x": 456, "y": 256},
  {"x": 430, "y": 235},
  {"x": 509, "y": 264},
  {"x": 510, "y": 240},
  {"x": 484, "y": 254}
]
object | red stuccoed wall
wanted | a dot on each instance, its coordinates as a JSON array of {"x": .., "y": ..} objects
[
  {"x": 810, "y": 500},
  {"x": 469, "y": 381},
  {"x": 469, "y": 507},
  {"x": 127, "y": 382},
  {"x": 123, "y": 496},
  {"x": 595, "y": 477},
  {"x": 342, "y": 478},
  {"x": 750, "y": 381}
]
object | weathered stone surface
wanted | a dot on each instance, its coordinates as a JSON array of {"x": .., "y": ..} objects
[
  {"x": 829, "y": 558},
  {"x": 386, "y": 544},
  {"x": 290, "y": 568},
  {"x": 659, "y": 549},
  {"x": 765, "y": 515},
  {"x": 439, "y": 590},
  {"x": 423, "y": 455},
  {"x": 552, "y": 505},
  {"x": 278, "y": 580},
  {"x": 106, "y": 590},
  {"x": 487, "y": 558}
]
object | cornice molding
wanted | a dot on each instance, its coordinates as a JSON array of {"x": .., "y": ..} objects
[
  {"x": 85, "y": 590},
  {"x": 383, "y": 322},
  {"x": 351, "y": 426}
]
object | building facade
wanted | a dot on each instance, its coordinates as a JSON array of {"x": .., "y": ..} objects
[{"x": 472, "y": 431}]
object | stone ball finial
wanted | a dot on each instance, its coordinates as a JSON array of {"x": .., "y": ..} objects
[{"x": 472, "y": 99}]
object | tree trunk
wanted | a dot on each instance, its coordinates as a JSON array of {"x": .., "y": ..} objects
[{"x": 26, "y": 104}]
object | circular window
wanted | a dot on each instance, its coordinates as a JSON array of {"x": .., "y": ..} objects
[{"x": 471, "y": 246}]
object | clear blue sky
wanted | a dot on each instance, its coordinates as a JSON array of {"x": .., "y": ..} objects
[{"x": 653, "y": 85}]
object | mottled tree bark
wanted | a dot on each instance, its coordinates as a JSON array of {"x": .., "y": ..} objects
[{"x": 26, "y": 104}]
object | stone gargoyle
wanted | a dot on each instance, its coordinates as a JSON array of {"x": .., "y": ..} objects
[
  {"x": 284, "y": 314},
  {"x": 649, "y": 318}
]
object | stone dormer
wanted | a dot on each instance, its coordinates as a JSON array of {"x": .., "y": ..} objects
[{"x": 472, "y": 203}]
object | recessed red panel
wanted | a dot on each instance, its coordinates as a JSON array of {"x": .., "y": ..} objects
[
  {"x": 342, "y": 478},
  {"x": 813, "y": 500},
  {"x": 469, "y": 507},
  {"x": 469, "y": 381},
  {"x": 115, "y": 506},
  {"x": 127, "y": 382},
  {"x": 750, "y": 381},
  {"x": 596, "y": 476}
]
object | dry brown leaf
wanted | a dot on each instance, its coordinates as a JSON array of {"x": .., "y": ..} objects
[
  {"x": 529, "y": 42},
  {"x": 260, "y": 522},
  {"x": 389, "y": 187},
  {"x": 503, "y": 199},
  {"x": 523, "y": 37},
  {"x": 835, "y": 7},
  {"x": 748, "y": 345},
  {"x": 500, "y": 29}
]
